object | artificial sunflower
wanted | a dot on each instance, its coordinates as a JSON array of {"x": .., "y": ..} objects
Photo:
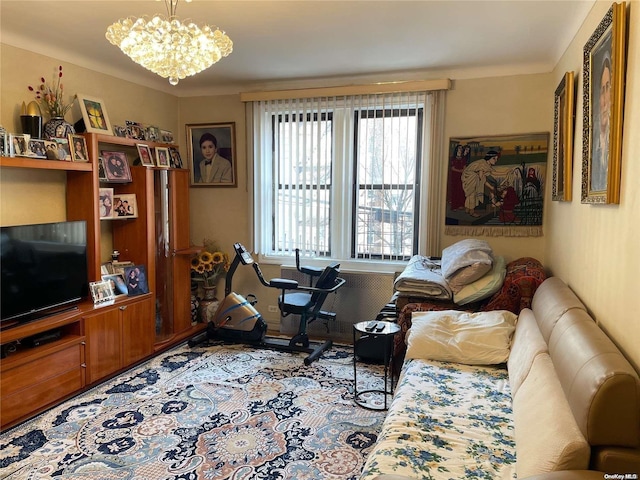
[{"x": 210, "y": 264}]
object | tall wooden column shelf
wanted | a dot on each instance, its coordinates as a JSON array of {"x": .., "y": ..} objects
[{"x": 96, "y": 343}]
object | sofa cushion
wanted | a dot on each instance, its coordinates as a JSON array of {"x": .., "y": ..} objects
[
  {"x": 484, "y": 287},
  {"x": 552, "y": 299},
  {"x": 547, "y": 436},
  {"x": 601, "y": 386},
  {"x": 481, "y": 338},
  {"x": 527, "y": 344}
]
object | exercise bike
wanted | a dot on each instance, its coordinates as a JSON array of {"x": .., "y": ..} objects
[{"x": 237, "y": 320}]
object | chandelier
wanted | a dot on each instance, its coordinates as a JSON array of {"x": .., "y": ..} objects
[{"x": 168, "y": 47}]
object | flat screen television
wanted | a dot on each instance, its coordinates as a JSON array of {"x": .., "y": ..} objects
[{"x": 43, "y": 269}]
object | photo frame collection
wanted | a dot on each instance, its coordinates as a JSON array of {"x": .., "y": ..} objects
[
  {"x": 165, "y": 157},
  {"x": 138, "y": 131},
  {"x": 211, "y": 149},
  {"x": 22, "y": 145},
  {"x": 119, "y": 206},
  {"x": 118, "y": 279}
]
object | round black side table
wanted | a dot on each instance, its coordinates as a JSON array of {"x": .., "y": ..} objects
[{"x": 372, "y": 330}]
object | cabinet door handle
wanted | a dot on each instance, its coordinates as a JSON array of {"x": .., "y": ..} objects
[
  {"x": 83, "y": 365},
  {"x": 124, "y": 307}
]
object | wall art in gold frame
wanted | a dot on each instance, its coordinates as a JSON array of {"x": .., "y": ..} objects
[
  {"x": 563, "y": 121},
  {"x": 603, "y": 102}
]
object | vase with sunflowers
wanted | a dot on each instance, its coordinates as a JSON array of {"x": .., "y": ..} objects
[{"x": 207, "y": 267}]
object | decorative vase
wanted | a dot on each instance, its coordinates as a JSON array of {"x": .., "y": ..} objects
[
  {"x": 208, "y": 305},
  {"x": 57, "y": 127},
  {"x": 195, "y": 304}
]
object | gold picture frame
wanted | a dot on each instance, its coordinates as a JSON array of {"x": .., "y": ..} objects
[
  {"x": 94, "y": 114},
  {"x": 563, "y": 121},
  {"x": 603, "y": 101},
  {"x": 212, "y": 139}
]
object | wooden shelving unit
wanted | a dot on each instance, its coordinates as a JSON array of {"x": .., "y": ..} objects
[{"x": 95, "y": 343}]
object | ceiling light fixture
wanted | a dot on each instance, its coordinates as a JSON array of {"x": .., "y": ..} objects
[{"x": 168, "y": 47}]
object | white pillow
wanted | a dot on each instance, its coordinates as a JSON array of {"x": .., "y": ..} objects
[
  {"x": 481, "y": 338},
  {"x": 465, "y": 253},
  {"x": 483, "y": 287}
]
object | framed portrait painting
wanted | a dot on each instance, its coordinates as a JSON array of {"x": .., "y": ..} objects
[
  {"x": 603, "y": 102},
  {"x": 563, "y": 117},
  {"x": 212, "y": 154},
  {"x": 94, "y": 115}
]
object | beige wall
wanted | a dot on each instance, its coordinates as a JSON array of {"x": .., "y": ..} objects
[
  {"x": 587, "y": 246},
  {"x": 29, "y": 196},
  {"x": 497, "y": 106},
  {"x": 593, "y": 248}
]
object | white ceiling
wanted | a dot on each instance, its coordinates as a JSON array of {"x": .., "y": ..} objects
[{"x": 298, "y": 42}]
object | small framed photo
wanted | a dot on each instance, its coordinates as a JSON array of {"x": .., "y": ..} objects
[
  {"x": 102, "y": 293},
  {"x": 118, "y": 285},
  {"x": 94, "y": 114},
  {"x": 37, "y": 148},
  {"x": 162, "y": 157},
  {"x": 125, "y": 205},
  {"x": 18, "y": 145},
  {"x": 64, "y": 151},
  {"x": 79, "y": 151},
  {"x": 136, "y": 130},
  {"x": 166, "y": 136},
  {"x": 106, "y": 203},
  {"x": 120, "y": 267},
  {"x": 136, "y": 278},
  {"x": 102, "y": 174},
  {"x": 116, "y": 167},
  {"x": 176, "y": 159},
  {"x": 145, "y": 155},
  {"x": 212, "y": 154},
  {"x": 153, "y": 134},
  {"x": 120, "y": 131}
]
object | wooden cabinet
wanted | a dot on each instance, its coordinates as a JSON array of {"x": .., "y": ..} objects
[
  {"x": 38, "y": 371},
  {"x": 113, "y": 337},
  {"x": 118, "y": 336}
]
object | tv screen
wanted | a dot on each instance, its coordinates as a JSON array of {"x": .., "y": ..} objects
[{"x": 42, "y": 267}]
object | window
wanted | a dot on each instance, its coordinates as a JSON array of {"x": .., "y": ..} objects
[{"x": 341, "y": 177}]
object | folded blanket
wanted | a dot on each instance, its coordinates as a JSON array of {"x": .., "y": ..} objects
[{"x": 423, "y": 277}]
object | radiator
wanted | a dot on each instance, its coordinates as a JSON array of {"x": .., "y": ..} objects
[{"x": 360, "y": 298}]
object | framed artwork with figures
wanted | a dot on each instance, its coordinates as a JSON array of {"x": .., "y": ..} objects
[
  {"x": 212, "y": 154},
  {"x": 603, "y": 101}
]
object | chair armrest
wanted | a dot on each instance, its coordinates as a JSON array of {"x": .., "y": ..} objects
[
  {"x": 283, "y": 284},
  {"x": 339, "y": 282}
]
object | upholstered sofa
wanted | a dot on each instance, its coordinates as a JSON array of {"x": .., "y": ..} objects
[{"x": 565, "y": 405}]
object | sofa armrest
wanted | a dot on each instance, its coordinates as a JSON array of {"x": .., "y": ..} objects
[{"x": 569, "y": 475}]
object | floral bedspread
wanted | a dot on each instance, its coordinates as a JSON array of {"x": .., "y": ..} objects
[{"x": 447, "y": 421}]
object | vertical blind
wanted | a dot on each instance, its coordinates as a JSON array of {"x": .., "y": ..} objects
[{"x": 341, "y": 176}]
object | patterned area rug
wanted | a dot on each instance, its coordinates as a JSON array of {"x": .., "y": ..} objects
[{"x": 210, "y": 412}]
